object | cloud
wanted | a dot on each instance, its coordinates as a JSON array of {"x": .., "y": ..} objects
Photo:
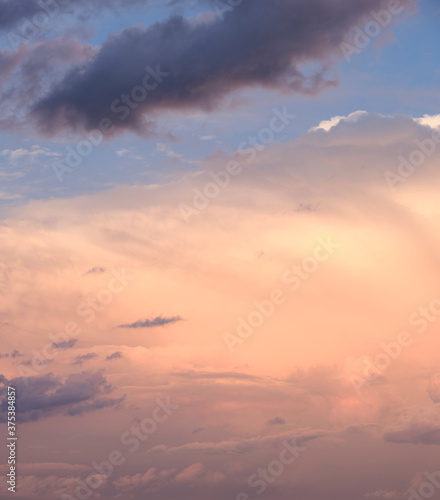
[
  {"x": 433, "y": 389},
  {"x": 155, "y": 480},
  {"x": 56, "y": 468},
  {"x": 217, "y": 375},
  {"x": 12, "y": 12},
  {"x": 152, "y": 476},
  {"x": 67, "y": 344},
  {"x": 36, "y": 67},
  {"x": 9, "y": 61},
  {"x": 242, "y": 446},
  {"x": 85, "y": 357},
  {"x": 419, "y": 430},
  {"x": 432, "y": 121},
  {"x": 115, "y": 355},
  {"x": 46, "y": 395},
  {"x": 256, "y": 44},
  {"x": 95, "y": 270},
  {"x": 190, "y": 472},
  {"x": 151, "y": 323},
  {"x": 383, "y": 494},
  {"x": 28, "y": 155},
  {"x": 276, "y": 421},
  {"x": 14, "y": 354},
  {"x": 43, "y": 362}
]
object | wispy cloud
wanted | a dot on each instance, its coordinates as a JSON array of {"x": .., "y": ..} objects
[
  {"x": 151, "y": 323},
  {"x": 115, "y": 355},
  {"x": 95, "y": 270},
  {"x": 14, "y": 354},
  {"x": 276, "y": 421},
  {"x": 68, "y": 344},
  {"x": 85, "y": 357}
]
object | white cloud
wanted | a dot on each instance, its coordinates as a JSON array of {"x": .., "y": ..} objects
[
  {"x": 122, "y": 152},
  {"x": 14, "y": 155},
  {"x": 327, "y": 125},
  {"x": 432, "y": 121}
]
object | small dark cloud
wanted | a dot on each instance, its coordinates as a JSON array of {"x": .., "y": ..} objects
[
  {"x": 307, "y": 207},
  {"x": 151, "y": 323},
  {"x": 14, "y": 354},
  {"x": 115, "y": 355},
  {"x": 85, "y": 357},
  {"x": 276, "y": 421},
  {"x": 67, "y": 344},
  {"x": 95, "y": 270},
  {"x": 199, "y": 429},
  {"x": 38, "y": 362}
]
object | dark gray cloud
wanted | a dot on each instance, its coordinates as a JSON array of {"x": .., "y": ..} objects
[
  {"x": 259, "y": 43},
  {"x": 67, "y": 344},
  {"x": 39, "y": 362},
  {"x": 47, "y": 395},
  {"x": 95, "y": 270},
  {"x": 199, "y": 429},
  {"x": 151, "y": 323},
  {"x": 276, "y": 421},
  {"x": 115, "y": 355},
  {"x": 14, "y": 354},
  {"x": 84, "y": 357},
  {"x": 20, "y": 13}
]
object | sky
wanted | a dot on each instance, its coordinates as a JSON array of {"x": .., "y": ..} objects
[{"x": 220, "y": 246}]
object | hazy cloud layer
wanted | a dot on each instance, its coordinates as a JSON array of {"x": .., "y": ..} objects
[{"x": 292, "y": 376}]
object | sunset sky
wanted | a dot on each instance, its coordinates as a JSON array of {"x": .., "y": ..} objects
[{"x": 220, "y": 248}]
